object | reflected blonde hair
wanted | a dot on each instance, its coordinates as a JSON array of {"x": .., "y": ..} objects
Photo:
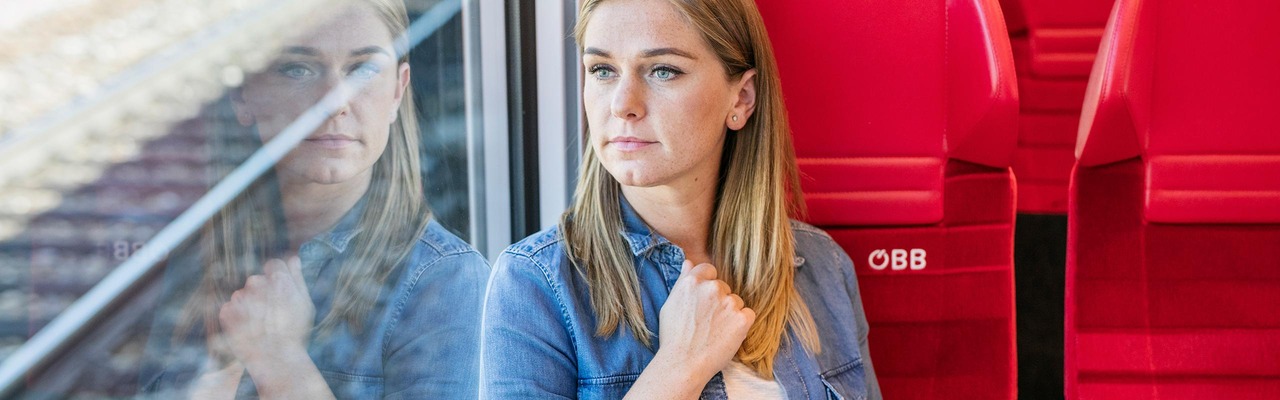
[
  {"x": 751, "y": 239},
  {"x": 238, "y": 240}
]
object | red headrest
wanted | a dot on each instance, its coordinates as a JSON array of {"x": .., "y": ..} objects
[
  {"x": 1064, "y": 35},
  {"x": 1192, "y": 87},
  {"x": 1056, "y": 14},
  {"x": 874, "y": 87}
]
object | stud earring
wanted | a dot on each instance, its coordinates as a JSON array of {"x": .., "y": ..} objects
[{"x": 735, "y": 118}]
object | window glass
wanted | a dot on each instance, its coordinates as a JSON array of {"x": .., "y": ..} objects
[{"x": 121, "y": 116}]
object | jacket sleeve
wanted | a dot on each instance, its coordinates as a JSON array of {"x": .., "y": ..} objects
[
  {"x": 528, "y": 351},
  {"x": 168, "y": 366},
  {"x": 433, "y": 350},
  {"x": 860, "y": 317}
]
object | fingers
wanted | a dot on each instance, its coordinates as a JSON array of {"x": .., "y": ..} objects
[
  {"x": 279, "y": 272},
  {"x": 749, "y": 315},
  {"x": 295, "y": 270},
  {"x": 295, "y": 274},
  {"x": 255, "y": 282},
  {"x": 275, "y": 268},
  {"x": 722, "y": 288},
  {"x": 279, "y": 279},
  {"x": 704, "y": 271},
  {"x": 734, "y": 302},
  {"x": 745, "y": 315},
  {"x": 704, "y": 279},
  {"x": 229, "y": 313}
]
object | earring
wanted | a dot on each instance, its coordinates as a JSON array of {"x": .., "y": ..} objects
[{"x": 735, "y": 117}]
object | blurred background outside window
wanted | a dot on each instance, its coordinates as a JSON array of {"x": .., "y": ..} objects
[{"x": 107, "y": 111}]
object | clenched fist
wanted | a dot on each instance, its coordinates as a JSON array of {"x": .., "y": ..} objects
[
  {"x": 702, "y": 321},
  {"x": 272, "y": 314}
]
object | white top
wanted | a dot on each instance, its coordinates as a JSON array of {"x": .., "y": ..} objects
[{"x": 741, "y": 382}]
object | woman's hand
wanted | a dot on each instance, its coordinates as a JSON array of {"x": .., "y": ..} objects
[
  {"x": 270, "y": 317},
  {"x": 700, "y": 328},
  {"x": 702, "y": 321},
  {"x": 267, "y": 325}
]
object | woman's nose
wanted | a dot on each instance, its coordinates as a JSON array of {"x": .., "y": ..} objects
[
  {"x": 628, "y": 99},
  {"x": 333, "y": 86}
]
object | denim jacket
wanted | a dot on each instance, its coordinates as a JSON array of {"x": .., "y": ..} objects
[
  {"x": 539, "y": 328},
  {"x": 419, "y": 341}
]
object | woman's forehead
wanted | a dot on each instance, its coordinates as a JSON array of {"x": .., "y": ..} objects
[
  {"x": 345, "y": 31},
  {"x": 626, "y": 28}
]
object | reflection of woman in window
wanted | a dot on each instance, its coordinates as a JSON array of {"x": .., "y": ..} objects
[
  {"x": 375, "y": 299},
  {"x": 677, "y": 272}
]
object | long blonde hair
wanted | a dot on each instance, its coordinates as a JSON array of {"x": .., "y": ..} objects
[
  {"x": 236, "y": 242},
  {"x": 751, "y": 239}
]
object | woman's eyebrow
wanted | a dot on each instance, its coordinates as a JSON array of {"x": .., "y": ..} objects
[
  {"x": 596, "y": 52},
  {"x": 313, "y": 52},
  {"x": 668, "y": 51},
  {"x": 300, "y": 50},
  {"x": 370, "y": 50},
  {"x": 662, "y": 51}
]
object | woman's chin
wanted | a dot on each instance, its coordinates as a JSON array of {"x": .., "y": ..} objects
[
  {"x": 330, "y": 179},
  {"x": 322, "y": 175},
  {"x": 647, "y": 172},
  {"x": 635, "y": 178}
]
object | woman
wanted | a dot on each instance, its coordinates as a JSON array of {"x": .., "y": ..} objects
[
  {"x": 375, "y": 299},
  {"x": 680, "y": 224}
]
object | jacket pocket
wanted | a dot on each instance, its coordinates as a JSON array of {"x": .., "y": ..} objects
[
  {"x": 351, "y": 386},
  {"x": 846, "y": 382},
  {"x": 609, "y": 387}
]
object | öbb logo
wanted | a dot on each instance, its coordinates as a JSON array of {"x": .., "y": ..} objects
[{"x": 897, "y": 259}]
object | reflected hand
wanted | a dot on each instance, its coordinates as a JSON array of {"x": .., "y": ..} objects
[
  {"x": 702, "y": 322},
  {"x": 271, "y": 315}
]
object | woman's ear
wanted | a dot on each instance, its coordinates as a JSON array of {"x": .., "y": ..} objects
[
  {"x": 243, "y": 116},
  {"x": 402, "y": 85},
  {"x": 744, "y": 101}
]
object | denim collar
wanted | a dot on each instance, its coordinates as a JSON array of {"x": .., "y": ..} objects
[
  {"x": 643, "y": 239},
  {"x": 639, "y": 236},
  {"x": 340, "y": 235}
]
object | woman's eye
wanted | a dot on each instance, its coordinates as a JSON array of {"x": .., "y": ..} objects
[
  {"x": 601, "y": 72},
  {"x": 296, "y": 71},
  {"x": 665, "y": 73},
  {"x": 365, "y": 70}
]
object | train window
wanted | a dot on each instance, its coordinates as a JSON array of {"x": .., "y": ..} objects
[
  {"x": 154, "y": 155},
  {"x": 560, "y": 122}
]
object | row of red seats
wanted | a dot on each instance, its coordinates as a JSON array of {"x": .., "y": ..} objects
[
  {"x": 906, "y": 121},
  {"x": 1054, "y": 45},
  {"x": 1173, "y": 262}
]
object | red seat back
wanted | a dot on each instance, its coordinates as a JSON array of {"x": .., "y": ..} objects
[
  {"x": 1173, "y": 285},
  {"x": 904, "y": 116},
  {"x": 1054, "y": 44}
]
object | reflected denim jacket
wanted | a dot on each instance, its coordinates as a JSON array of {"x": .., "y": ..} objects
[
  {"x": 539, "y": 328},
  {"x": 419, "y": 341}
]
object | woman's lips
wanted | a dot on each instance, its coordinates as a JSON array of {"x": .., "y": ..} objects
[
  {"x": 332, "y": 141},
  {"x": 630, "y": 143}
]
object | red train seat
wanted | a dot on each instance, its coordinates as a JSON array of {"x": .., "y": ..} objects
[
  {"x": 1173, "y": 268},
  {"x": 905, "y": 120},
  {"x": 1054, "y": 43}
]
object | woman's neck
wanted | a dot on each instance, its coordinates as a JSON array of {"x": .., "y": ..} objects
[
  {"x": 311, "y": 208},
  {"x": 681, "y": 216}
]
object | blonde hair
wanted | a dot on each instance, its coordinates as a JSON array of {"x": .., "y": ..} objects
[
  {"x": 238, "y": 240},
  {"x": 751, "y": 239}
]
